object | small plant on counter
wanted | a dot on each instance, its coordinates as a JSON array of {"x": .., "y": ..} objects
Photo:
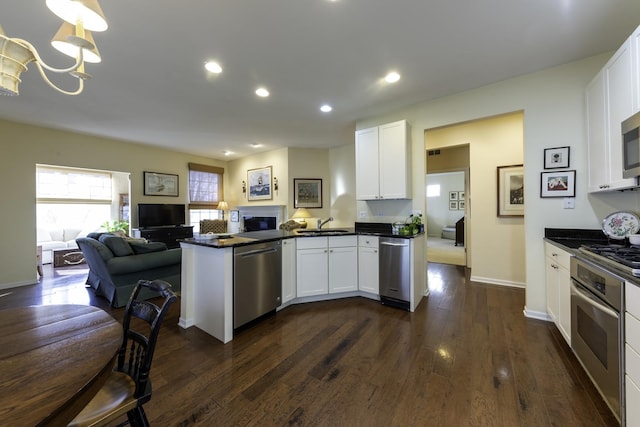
[{"x": 414, "y": 223}]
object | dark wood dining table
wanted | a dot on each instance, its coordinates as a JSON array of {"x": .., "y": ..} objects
[{"x": 53, "y": 360}]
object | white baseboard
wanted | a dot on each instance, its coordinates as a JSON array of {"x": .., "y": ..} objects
[
  {"x": 540, "y": 315},
  {"x": 499, "y": 282}
]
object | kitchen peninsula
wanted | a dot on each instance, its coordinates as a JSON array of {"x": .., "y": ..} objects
[{"x": 208, "y": 279}]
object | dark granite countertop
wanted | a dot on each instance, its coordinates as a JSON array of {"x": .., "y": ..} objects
[
  {"x": 251, "y": 237},
  {"x": 573, "y": 238}
]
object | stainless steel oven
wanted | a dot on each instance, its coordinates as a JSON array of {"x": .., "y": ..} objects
[{"x": 597, "y": 328}]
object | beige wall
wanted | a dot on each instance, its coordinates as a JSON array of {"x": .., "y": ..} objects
[
  {"x": 335, "y": 167},
  {"x": 24, "y": 146},
  {"x": 492, "y": 142},
  {"x": 450, "y": 159},
  {"x": 554, "y": 116}
]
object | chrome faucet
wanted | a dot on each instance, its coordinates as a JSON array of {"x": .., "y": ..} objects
[{"x": 321, "y": 223}]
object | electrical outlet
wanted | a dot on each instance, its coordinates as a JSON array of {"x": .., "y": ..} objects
[
  {"x": 363, "y": 214},
  {"x": 569, "y": 202}
]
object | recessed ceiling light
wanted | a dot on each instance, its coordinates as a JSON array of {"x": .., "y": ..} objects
[
  {"x": 392, "y": 77},
  {"x": 227, "y": 152},
  {"x": 262, "y": 92},
  {"x": 213, "y": 67},
  {"x": 326, "y": 108},
  {"x": 256, "y": 145}
]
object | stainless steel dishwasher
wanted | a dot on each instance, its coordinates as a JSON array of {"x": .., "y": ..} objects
[
  {"x": 257, "y": 281},
  {"x": 394, "y": 271}
]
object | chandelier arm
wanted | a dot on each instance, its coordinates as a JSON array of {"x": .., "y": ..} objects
[
  {"x": 50, "y": 83},
  {"x": 42, "y": 64}
]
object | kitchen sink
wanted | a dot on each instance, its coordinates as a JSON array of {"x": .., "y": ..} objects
[{"x": 321, "y": 232}]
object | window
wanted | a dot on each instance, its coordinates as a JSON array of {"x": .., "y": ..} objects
[
  {"x": 205, "y": 186},
  {"x": 205, "y": 191},
  {"x": 72, "y": 198},
  {"x": 433, "y": 190}
]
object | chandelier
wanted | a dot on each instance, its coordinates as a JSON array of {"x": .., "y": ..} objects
[{"x": 73, "y": 39}]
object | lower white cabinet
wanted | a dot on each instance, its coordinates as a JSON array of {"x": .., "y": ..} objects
[
  {"x": 632, "y": 354},
  {"x": 368, "y": 280},
  {"x": 558, "y": 286},
  {"x": 288, "y": 270},
  {"x": 326, "y": 265}
]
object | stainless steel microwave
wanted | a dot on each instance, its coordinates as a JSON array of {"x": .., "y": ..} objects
[{"x": 631, "y": 147}]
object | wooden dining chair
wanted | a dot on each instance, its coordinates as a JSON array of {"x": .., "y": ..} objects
[{"x": 129, "y": 387}]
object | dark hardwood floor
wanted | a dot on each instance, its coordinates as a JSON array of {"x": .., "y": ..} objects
[{"x": 466, "y": 357}]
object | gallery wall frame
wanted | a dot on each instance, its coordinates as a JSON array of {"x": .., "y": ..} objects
[
  {"x": 453, "y": 195},
  {"x": 259, "y": 183},
  {"x": 510, "y": 191},
  {"x": 558, "y": 184},
  {"x": 160, "y": 184},
  {"x": 453, "y": 205},
  {"x": 556, "y": 158},
  {"x": 307, "y": 193}
]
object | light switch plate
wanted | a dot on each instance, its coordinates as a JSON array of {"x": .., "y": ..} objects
[
  {"x": 569, "y": 202},
  {"x": 363, "y": 214}
]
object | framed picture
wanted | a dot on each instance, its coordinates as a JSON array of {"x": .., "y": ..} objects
[
  {"x": 510, "y": 191},
  {"x": 160, "y": 184},
  {"x": 453, "y": 195},
  {"x": 260, "y": 184},
  {"x": 307, "y": 193},
  {"x": 461, "y": 206},
  {"x": 556, "y": 158},
  {"x": 460, "y": 195},
  {"x": 235, "y": 216},
  {"x": 558, "y": 184},
  {"x": 453, "y": 206}
]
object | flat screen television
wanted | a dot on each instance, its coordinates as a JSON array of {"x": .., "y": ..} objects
[{"x": 160, "y": 215}]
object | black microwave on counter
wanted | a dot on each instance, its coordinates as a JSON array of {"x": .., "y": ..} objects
[{"x": 631, "y": 147}]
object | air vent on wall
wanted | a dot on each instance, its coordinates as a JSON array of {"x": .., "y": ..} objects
[{"x": 433, "y": 152}]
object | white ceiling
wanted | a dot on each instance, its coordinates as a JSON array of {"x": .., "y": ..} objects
[{"x": 152, "y": 87}]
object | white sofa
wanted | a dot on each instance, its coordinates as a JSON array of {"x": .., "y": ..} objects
[{"x": 58, "y": 238}]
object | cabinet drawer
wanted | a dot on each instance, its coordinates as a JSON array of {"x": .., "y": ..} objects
[
  {"x": 632, "y": 300},
  {"x": 632, "y": 401},
  {"x": 561, "y": 257},
  {"x": 311, "y": 242},
  {"x": 632, "y": 364},
  {"x": 632, "y": 332},
  {"x": 343, "y": 241},
  {"x": 368, "y": 241}
]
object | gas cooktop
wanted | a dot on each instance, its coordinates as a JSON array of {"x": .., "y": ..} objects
[{"x": 625, "y": 258}]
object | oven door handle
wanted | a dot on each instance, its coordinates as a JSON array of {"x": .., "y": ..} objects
[{"x": 591, "y": 300}]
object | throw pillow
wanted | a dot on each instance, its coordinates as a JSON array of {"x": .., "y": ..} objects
[
  {"x": 145, "y": 248},
  {"x": 118, "y": 245}
]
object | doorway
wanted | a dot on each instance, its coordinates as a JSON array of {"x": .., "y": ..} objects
[{"x": 446, "y": 204}]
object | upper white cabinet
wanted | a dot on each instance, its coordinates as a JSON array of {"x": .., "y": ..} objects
[
  {"x": 383, "y": 169},
  {"x": 610, "y": 100},
  {"x": 635, "y": 56}
]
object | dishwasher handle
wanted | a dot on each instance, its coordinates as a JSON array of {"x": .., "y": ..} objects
[
  {"x": 258, "y": 252},
  {"x": 402, "y": 245}
]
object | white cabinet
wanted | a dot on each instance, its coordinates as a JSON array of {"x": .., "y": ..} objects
[
  {"x": 635, "y": 67},
  {"x": 288, "y": 270},
  {"x": 326, "y": 265},
  {"x": 368, "y": 264},
  {"x": 610, "y": 100},
  {"x": 383, "y": 168},
  {"x": 632, "y": 354},
  {"x": 558, "y": 285}
]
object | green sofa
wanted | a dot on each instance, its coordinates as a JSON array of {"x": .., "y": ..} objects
[{"x": 116, "y": 264}]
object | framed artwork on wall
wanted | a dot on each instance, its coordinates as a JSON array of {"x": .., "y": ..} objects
[
  {"x": 510, "y": 191},
  {"x": 160, "y": 184},
  {"x": 235, "y": 216},
  {"x": 307, "y": 193},
  {"x": 453, "y": 195},
  {"x": 453, "y": 206},
  {"x": 558, "y": 184},
  {"x": 556, "y": 158},
  {"x": 260, "y": 184}
]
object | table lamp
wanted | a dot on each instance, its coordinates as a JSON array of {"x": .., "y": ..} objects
[
  {"x": 301, "y": 214},
  {"x": 223, "y": 206}
]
